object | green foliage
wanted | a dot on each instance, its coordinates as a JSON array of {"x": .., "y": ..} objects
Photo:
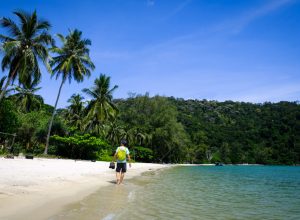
[
  {"x": 156, "y": 117},
  {"x": 24, "y": 46},
  {"x": 2, "y": 85},
  {"x": 31, "y": 130},
  {"x": 215, "y": 158},
  {"x": 47, "y": 108},
  {"x": 168, "y": 130},
  {"x": 79, "y": 146},
  {"x": 26, "y": 98},
  {"x": 75, "y": 112},
  {"x": 101, "y": 108},
  {"x": 238, "y": 132},
  {"x": 104, "y": 155},
  {"x": 72, "y": 62},
  {"x": 9, "y": 120},
  {"x": 142, "y": 154},
  {"x": 204, "y": 131},
  {"x": 2, "y": 151}
]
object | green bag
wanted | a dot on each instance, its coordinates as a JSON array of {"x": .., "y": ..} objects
[{"x": 121, "y": 154}]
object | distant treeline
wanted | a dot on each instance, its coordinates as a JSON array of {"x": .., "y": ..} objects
[
  {"x": 164, "y": 129},
  {"x": 200, "y": 131}
]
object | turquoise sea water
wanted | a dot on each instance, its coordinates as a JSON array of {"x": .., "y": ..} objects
[{"x": 228, "y": 192}]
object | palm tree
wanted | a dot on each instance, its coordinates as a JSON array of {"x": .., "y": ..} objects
[
  {"x": 26, "y": 98},
  {"x": 114, "y": 133},
  {"x": 72, "y": 61},
  {"x": 26, "y": 44},
  {"x": 75, "y": 110},
  {"x": 101, "y": 108}
]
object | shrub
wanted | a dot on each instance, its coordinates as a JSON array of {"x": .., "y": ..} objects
[
  {"x": 79, "y": 146},
  {"x": 104, "y": 155},
  {"x": 142, "y": 154}
]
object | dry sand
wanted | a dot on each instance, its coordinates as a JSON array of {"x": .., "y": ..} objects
[{"x": 39, "y": 188}]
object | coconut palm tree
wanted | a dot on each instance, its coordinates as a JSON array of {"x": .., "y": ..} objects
[
  {"x": 101, "y": 108},
  {"x": 72, "y": 61},
  {"x": 75, "y": 110},
  {"x": 26, "y": 98},
  {"x": 114, "y": 133},
  {"x": 25, "y": 45}
]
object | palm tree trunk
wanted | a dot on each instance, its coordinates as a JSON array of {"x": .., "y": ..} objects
[
  {"x": 52, "y": 118},
  {"x": 8, "y": 82}
]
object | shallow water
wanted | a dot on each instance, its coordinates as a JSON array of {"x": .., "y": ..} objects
[{"x": 228, "y": 192}]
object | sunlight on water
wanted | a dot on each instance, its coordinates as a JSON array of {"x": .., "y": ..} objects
[{"x": 229, "y": 192}]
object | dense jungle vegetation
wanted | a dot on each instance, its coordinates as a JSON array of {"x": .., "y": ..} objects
[{"x": 162, "y": 129}]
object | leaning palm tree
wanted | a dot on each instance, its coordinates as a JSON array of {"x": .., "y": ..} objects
[
  {"x": 26, "y": 98},
  {"x": 25, "y": 45},
  {"x": 101, "y": 108},
  {"x": 72, "y": 61}
]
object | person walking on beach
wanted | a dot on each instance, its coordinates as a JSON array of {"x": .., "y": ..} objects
[{"x": 121, "y": 155}]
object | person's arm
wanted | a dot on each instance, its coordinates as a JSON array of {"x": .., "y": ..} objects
[
  {"x": 115, "y": 155},
  {"x": 129, "y": 160}
]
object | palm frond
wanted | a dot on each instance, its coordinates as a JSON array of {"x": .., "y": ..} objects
[
  {"x": 43, "y": 25},
  {"x": 43, "y": 38},
  {"x": 10, "y": 46},
  {"x": 113, "y": 89},
  {"x": 2, "y": 81},
  {"x": 24, "y": 18},
  {"x": 87, "y": 42},
  {"x": 25, "y": 46},
  {"x": 69, "y": 61},
  {"x": 90, "y": 93},
  {"x": 31, "y": 24},
  {"x": 5, "y": 38},
  {"x": 14, "y": 67},
  {"x": 6, "y": 61},
  {"x": 87, "y": 62},
  {"x": 12, "y": 27},
  {"x": 62, "y": 38}
]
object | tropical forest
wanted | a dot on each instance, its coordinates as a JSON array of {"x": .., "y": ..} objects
[{"x": 157, "y": 128}]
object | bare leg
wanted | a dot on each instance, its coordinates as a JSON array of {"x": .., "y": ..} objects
[
  {"x": 122, "y": 177},
  {"x": 118, "y": 176}
]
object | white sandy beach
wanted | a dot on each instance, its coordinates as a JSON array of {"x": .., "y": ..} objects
[{"x": 45, "y": 186}]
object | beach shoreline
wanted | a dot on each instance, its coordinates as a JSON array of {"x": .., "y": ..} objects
[{"x": 41, "y": 187}]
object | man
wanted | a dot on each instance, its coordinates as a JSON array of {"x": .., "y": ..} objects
[{"x": 121, "y": 155}]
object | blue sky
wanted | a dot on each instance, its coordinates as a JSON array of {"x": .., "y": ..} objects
[{"x": 200, "y": 49}]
